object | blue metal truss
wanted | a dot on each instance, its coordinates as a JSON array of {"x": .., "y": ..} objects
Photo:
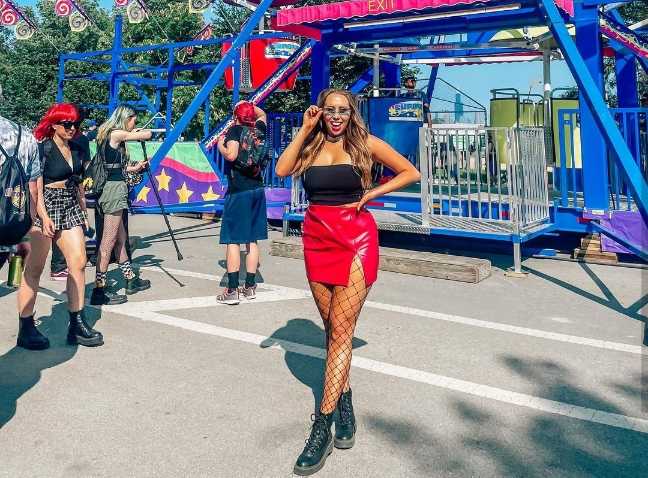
[
  {"x": 601, "y": 115},
  {"x": 212, "y": 81}
]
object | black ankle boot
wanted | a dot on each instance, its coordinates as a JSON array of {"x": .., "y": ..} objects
[
  {"x": 81, "y": 333},
  {"x": 346, "y": 427},
  {"x": 101, "y": 297},
  {"x": 137, "y": 285},
  {"x": 318, "y": 446},
  {"x": 28, "y": 335}
]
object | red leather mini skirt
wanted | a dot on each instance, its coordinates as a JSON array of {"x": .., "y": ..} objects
[{"x": 333, "y": 236}]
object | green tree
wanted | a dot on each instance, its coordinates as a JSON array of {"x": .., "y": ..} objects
[{"x": 29, "y": 69}]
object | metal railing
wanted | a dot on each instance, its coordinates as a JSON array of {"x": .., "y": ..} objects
[
  {"x": 475, "y": 179},
  {"x": 488, "y": 179},
  {"x": 633, "y": 125}
]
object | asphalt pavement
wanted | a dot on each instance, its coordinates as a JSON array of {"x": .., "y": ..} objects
[{"x": 533, "y": 377}]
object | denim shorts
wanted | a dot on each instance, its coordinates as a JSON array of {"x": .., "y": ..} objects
[{"x": 244, "y": 217}]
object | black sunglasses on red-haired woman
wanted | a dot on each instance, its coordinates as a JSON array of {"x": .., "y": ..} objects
[{"x": 69, "y": 124}]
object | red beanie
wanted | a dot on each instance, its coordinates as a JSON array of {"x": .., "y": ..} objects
[{"x": 244, "y": 112}]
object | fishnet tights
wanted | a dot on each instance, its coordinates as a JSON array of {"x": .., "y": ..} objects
[
  {"x": 114, "y": 237},
  {"x": 339, "y": 308}
]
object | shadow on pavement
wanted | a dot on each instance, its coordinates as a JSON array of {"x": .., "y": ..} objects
[
  {"x": 610, "y": 301},
  {"x": 554, "y": 445},
  {"x": 210, "y": 229},
  {"x": 308, "y": 370},
  {"x": 21, "y": 369},
  {"x": 483, "y": 437}
]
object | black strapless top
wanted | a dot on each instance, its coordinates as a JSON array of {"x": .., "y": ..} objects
[{"x": 332, "y": 185}]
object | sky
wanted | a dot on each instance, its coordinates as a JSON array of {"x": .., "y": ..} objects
[{"x": 478, "y": 80}]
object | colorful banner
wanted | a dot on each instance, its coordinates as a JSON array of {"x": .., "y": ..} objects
[
  {"x": 24, "y": 31},
  {"x": 64, "y": 8},
  {"x": 78, "y": 22},
  {"x": 199, "y": 6},
  {"x": 9, "y": 16},
  {"x": 184, "y": 176},
  {"x": 136, "y": 11}
]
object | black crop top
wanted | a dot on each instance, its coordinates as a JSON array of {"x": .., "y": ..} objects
[
  {"x": 114, "y": 162},
  {"x": 332, "y": 185},
  {"x": 55, "y": 166}
]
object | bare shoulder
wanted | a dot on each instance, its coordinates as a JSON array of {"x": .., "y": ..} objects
[
  {"x": 377, "y": 145},
  {"x": 117, "y": 135}
]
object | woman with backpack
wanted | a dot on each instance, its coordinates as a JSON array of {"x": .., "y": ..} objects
[
  {"x": 113, "y": 201},
  {"x": 61, "y": 217},
  {"x": 244, "y": 214},
  {"x": 333, "y": 154}
]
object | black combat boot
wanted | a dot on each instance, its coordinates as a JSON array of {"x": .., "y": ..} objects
[
  {"x": 346, "y": 427},
  {"x": 101, "y": 297},
  {"x": 318, "y": 446},
  {"x": 81, "y": 333},
  {"x": 28, "y": 335},
  {"x": 137, "y": 285}
]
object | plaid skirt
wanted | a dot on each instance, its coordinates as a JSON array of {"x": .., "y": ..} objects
[{"x": 63, "y": 208}]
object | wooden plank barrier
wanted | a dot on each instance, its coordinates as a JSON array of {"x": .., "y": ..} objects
[{"x": 427, "y": 264}]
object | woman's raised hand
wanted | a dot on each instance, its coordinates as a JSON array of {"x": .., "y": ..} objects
[{"x": 311, "y": 117}]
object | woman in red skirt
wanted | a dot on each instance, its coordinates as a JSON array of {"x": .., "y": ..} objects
[{"x": 333, "y": 154}]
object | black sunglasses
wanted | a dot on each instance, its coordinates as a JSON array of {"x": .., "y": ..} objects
[{"x": 69, "y": 124}]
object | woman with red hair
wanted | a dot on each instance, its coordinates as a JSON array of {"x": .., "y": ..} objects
[
  {"x": 244, "y": 214},
  {"x": 61, "y": 218}
]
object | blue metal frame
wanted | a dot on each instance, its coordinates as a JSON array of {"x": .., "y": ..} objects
[
  {"x": 596, "y": 105},
  {"x": 212, "y": 81}
]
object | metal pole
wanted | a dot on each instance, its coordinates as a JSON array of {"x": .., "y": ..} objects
[
  {"x": 115, "y": 61},
  {"x": 211, "y": 82},
  {"x": 61, "y": 80},
  {"x": 170, "y": 86},
  {"x": 547, "y": 120},
  {"x": 517, "y": 257},
  {"x": 376, "y": 72},
  {"x": 159, "y": 201}
]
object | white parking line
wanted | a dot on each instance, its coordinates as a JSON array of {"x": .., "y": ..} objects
[
  {"x": 501, "y": 395},
  {"x": 514, "y": 329}
]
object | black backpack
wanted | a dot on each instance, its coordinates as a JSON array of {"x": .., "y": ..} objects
[
  {"x": 253, "y": 152},
  {"x": 15, "y": 218},
  {"x": 97, "y": 172}
]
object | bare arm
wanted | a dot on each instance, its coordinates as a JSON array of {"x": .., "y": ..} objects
[
  {"x": 230, "y": 150},
  {"x": 120, "y": 136},
  {"x": 406, "y": 173},
  {"x": 34, "y": 198},
  {"x": 287, "y": 162},
  {"x": 82, "y": 200}
]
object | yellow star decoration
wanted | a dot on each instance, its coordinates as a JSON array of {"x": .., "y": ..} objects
[
  {"x": 163, "y": 181},
  {"x": 209, "y": 195},
  {"x": 143, "y": 194},
  {"x": 183, "y": 193}
]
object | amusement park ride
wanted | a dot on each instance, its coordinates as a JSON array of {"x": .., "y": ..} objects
[{"x": 580, "y": 167}]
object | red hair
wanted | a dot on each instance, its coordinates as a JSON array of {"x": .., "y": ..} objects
[
  {"x": 244, "y": 112},
  {"x": 57, "y": 112}
]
